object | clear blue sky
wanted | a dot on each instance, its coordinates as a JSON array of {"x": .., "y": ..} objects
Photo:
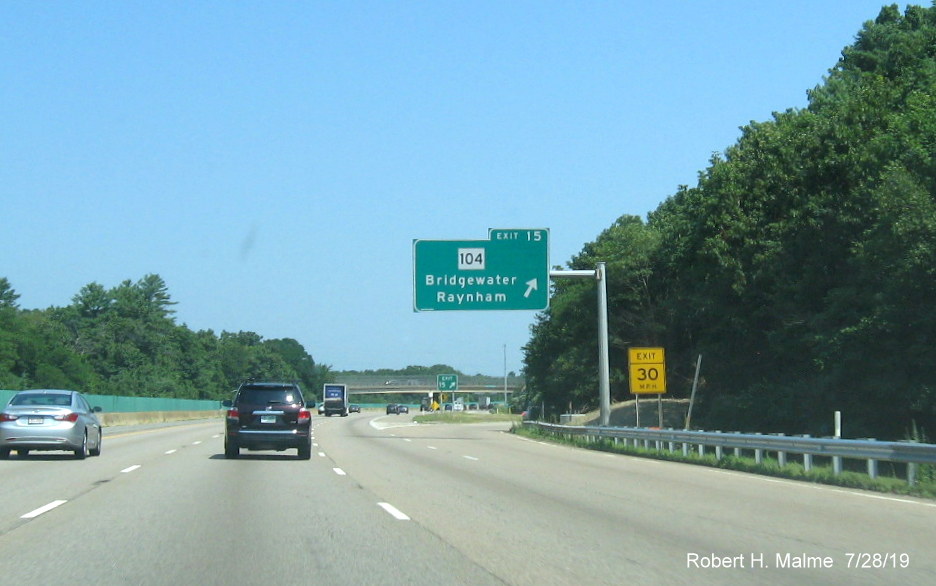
[{"x": 274, "y": 161}]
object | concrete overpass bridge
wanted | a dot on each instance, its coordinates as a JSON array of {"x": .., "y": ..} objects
[
  {"x": 472, "y": 388},
  {"x": 426, "y": 390}
]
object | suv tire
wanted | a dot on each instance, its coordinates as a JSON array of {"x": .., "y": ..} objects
[{"x": 231, "y": 450}]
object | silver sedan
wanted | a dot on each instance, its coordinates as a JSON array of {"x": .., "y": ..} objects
[{"x": 50, "y": 420}]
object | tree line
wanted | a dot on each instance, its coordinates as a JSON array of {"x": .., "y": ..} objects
[
  {"x": 801, "y": 267},
  {"x": 125, "y": 341}
]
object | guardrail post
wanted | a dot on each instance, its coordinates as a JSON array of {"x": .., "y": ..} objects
[
  {"x": 701, "y": 450},
  {"x": 759, "y": 455},
  {"x": 685, "y": 449},
  {"x": 911, "y": 473},
  {"x": 718, "y": 452},
  {"x": 807, "y": 459},
  {"x": 836, "y": 465},
  {"x": 781, "y": 456},
  {"x": 872, "y": 464}
]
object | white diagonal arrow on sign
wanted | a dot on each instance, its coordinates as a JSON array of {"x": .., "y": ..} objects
[{"x": 532, "y": 285}]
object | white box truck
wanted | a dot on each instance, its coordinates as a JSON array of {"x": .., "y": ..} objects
[{"x": 335, "y": 399}]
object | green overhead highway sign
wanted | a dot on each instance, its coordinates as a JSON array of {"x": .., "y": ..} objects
[{"x": 509, "y": 270}]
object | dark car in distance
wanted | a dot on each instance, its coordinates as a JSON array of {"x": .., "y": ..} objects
[
  {"x": 392, "y": 408},
  {"x": 268, "y": 416},
  {"x": 354, "y": 409}
]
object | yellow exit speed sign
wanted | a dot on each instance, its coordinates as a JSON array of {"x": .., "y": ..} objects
[{"x": 647, "y": 371}]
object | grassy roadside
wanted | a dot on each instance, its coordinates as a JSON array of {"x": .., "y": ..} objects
[
  {"x": 462, "y": 417},
  {"x": 925, "y": 486}
]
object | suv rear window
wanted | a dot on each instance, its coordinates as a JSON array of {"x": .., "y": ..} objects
[{"x": 268, "y": 395}]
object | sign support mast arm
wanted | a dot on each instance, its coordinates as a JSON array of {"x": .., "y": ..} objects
[{"x": 600, "y": 274}]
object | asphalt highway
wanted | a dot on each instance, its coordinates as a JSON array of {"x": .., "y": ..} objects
[{"x": 387, "y": 501}]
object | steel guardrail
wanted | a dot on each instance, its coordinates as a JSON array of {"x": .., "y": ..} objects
[{"x": 871, "y": 450}]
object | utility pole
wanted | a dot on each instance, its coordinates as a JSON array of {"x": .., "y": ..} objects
[{"x": 505, "y": 377}]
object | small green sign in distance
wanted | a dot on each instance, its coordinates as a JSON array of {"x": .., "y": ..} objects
[
  {"x": 447, "y": 382},
  {"x": 508, "y": 271}
]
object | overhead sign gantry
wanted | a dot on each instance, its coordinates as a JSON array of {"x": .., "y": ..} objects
[{"x": 508, "y": 271}]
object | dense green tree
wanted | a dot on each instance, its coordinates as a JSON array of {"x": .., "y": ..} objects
[
  {"x": 561, "y": 359},
  {"x": 301, "y": 362},
  {"x": 804, "y": 256},
  {"x": 8, "y": 337},
  {"x": 8, "y": 296},
  {"x": 124, "y": 341}
]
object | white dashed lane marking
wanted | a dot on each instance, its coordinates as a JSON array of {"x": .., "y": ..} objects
[
  {"x": 41, "y": 510},
  {"x": 397, "y": 514}
]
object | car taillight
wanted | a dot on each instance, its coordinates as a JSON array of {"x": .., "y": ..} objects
[
  {"x": 72, "y": 417},
  {"x": 305, "y": 414},
  {"x": 7, "y": 417},
  {"x": 233, "y": 414}
]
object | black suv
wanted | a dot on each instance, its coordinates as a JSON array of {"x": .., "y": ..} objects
[{"x": 268, "y": 416}]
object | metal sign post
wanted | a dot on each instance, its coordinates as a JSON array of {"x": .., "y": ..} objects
[{"x": 600, "y": 275}]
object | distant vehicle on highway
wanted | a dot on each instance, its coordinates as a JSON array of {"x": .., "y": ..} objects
[
  {"x": 50, "y": 419},
  {"x": 321, "y": 409},
  {"x": 335, "y": 399},
  {"x": 393, "y": 408},
  {"x": 402, "y": 409},
  {"x": 354, "y": 409},
  {"x": 268, "y": 416}
]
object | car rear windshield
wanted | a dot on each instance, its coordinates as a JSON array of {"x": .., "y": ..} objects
[
  {"x": 269, "y": 396},
  {"x": 54, "y": 399}
]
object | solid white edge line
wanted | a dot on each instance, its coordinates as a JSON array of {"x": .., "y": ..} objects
[
  {"x": 399, "y": 515},
  {"x": 41, "y": 510}
]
